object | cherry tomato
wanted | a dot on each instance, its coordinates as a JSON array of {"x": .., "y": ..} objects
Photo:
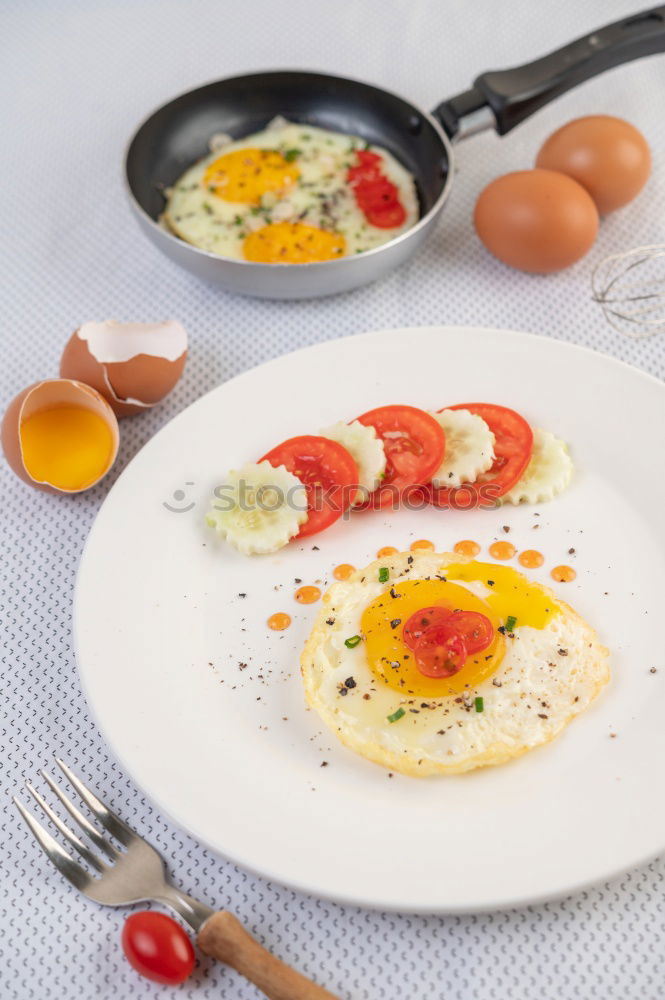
[
  {"x": 157, "y": 947},
  {"x": 414, "y": 444},
  {"x": 512, "y": 449},
  {"x": 328, "y": 471},
  {"x": 475, "y": 629},
  {"x": 421, "y": 620},
  {"x": 439, "y": 652}
]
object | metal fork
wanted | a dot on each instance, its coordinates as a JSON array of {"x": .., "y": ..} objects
[{"x": 138, "y": 873}]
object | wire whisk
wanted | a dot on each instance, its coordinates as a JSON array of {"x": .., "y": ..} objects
[{"x": 630, "y": 288}]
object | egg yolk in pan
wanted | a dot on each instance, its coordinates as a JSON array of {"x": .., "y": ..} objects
[
  {"x": 509, "y": 595},
  {"x": 245, "y": 175},
  {"x": 292, "y": 243}
]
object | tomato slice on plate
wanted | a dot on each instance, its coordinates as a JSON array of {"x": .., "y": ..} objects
[
  {"x": 475, "y": 629},
  {"x": 328, "y": 472},
  {"x": 414, "y": 444},
  {"x": 512, "y": 449},
  {"x": 440, "y": 652},
  {"x": 421, "y": 620}
]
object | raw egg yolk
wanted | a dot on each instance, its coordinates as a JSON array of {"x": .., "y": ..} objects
[
  {"x": 393, "y": 663},
  {"x": 68, "y": 447},
  {"x": 292, "y": 243},
  {"x": 245, "y": 175}
]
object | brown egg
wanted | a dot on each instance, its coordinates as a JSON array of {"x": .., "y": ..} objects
[
  {"x": 606, "y": 155},
  {"x": 133, "y": 365},
  {"x": 536, "y": 220},
  {"x": 60, "y": 436}
]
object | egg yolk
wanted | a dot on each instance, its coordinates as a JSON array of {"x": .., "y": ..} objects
[
  {"x": 245, "y": 175},
  {"x": 393, "y": 663},
  {"x": 292, "y": 243},
  {"x": 68, "y": 447}
]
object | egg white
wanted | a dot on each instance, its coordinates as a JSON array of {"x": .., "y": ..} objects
[
  {"x": 536, "y": 691},
  {"x": 321, "y": 197}
]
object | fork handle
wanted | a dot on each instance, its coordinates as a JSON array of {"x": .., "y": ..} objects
[{"x": 224, "y": 938}]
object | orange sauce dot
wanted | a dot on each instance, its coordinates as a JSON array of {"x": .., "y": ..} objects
[
  {"x": 422, "y": 543},
  {"x": 502, "y": 550},
  {"x": 307, "y": 595},
  {"x": 466, "y": 547},
  {"x": 387, "y": 550},
  {"x": 279, "y": 621},
  {"x": 563, "y": 574},
  {"x": 531, "y": 558},
  {"x": 344, "y": 571}
]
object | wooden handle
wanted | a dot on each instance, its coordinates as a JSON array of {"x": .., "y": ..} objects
[{"x": 224, "y": 938}]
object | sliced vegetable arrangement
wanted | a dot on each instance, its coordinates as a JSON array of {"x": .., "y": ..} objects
[{"x": 466, "y": 456}]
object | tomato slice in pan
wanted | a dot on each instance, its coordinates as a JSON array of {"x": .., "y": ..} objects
[
  {"x": 414, "y": 444},
  {"x": 512, "y": 448},
  {"x": 327, "y": 470},
  {"x": 440, "y": 652}
]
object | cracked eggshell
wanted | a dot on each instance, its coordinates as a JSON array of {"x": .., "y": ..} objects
[
  {"x": 133, "y": 365},
  {"x": 45, "y": 395}
]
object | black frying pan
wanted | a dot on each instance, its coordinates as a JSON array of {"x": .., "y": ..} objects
[{"x": 177, "y": 135}]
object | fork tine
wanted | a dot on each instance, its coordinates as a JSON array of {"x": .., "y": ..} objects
[
  {"x": 101, "y": 843},
  {"x": 65, "y": 831},
  {"x": 115, "y": 826},
  {"x": 62, "y": 861}
]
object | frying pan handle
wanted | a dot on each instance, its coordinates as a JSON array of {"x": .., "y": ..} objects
[{"x": 504, "y": 98}]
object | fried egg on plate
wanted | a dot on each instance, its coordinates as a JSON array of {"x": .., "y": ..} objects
[
  {"x": 532, "y": 681},
  {"x": 281, "y": 196}
]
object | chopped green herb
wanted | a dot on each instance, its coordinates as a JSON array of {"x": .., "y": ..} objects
[
  {"x": 352, "y": 642},
  {"x": 480, "y": 704},
  {"x": 511, "y": 622},
  {"x": 207, "y": 207},
  {"x": 367, "y": 145},
  {"x": 396, "y": 716},
  {"x": 384, "y": 573},
  {"x": 238, "y": 220},
  {"x": 305, "y": 136},
  {"x": 291, "y": 154}
]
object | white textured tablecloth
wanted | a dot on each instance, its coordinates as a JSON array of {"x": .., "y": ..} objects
[{"x": 77, "y": 77}]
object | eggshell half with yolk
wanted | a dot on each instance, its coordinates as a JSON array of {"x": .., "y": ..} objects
[
  {"x": 133, "y": 365},
  {"x": 87, "y": 413}
]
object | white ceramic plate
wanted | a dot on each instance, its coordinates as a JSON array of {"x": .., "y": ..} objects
[{"x": 231, "y": 754}]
